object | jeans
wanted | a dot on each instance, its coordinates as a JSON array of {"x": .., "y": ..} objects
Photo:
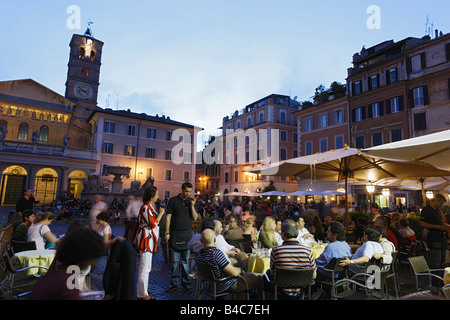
[{"x": 180, "y": 267}]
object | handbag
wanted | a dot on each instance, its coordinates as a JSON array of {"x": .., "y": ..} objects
[{"x": 132, "y": 231}]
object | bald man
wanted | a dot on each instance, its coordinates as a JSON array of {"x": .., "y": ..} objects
[{"x": 222, "y": 267}]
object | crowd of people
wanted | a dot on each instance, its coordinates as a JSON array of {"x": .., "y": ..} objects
[{"x": 279, "y": 227}]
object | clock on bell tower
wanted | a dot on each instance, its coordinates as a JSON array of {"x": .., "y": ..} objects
[{"x": 84, "y": 72}]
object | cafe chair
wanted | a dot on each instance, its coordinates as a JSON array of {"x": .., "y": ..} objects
[
  {"x": 246, "y": 246},
  {"x": 207, "y": 283},
  {"x": 286, "y": 278},
  {"x": 393, "y": 272},
  {"x": 410, "y": 252},
  {"x": 19, "y": 246},
  {"x": 445, "y": 292},
  {"x": 420, "y": 268},
  {"x": 337, "y": 272},
  {"x": 12, "y": 288},
  {"x": 356, "y": 289},
  {"x": 235, "y": 242}
]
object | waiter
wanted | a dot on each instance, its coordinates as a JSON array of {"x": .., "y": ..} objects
[
  {"x": 179, "y": 216},
  {"x": 431, "y": 218},
  {"x": 26, "y": 202}
]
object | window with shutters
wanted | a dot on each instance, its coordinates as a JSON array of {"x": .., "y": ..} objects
[
  {"x": 308, "y": 125},
  {"x": 338, "y": 116},
  {"x": 376, "y": 110},
  {"x": 395, "y": 105},
  {"x": 323, "y": 144},
  {"x": 308, "y": 148},
  {"x": 418, "y": 97},
  {"x": 359, "y": 141},
  {"x": 374, "y": 82},
  {"x": 396, "y": 135},
  {"x": 357, "y": 88},
  {"x": 359, "y": 114},
  {"x": 376, "y": 139},
  {"x": 391, "y": 76},
  {"x": 420, "y": 121},
  {"x": 416, "y": 63},
  {"x": 339, "y": 142}
]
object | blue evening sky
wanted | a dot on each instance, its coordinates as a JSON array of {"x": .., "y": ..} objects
[{"x": 200, "y": 60}]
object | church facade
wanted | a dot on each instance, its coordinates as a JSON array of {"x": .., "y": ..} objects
[{"x": 50, "y": 142}]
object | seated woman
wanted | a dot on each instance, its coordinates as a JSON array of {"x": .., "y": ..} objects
[
  {"x": 250, "y": 229},
  {"x": 80, "y": 248},
  {"x": 408, "y": 234},
  {"x": 267, "y": 233},
  {"x": 105, "y": 229},
  {"x": 40, "y": 233}
]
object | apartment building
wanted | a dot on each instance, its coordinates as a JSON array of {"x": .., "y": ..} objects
[
  {"x": 147, "y": 145},
  {"x": 264, "y": 131}
]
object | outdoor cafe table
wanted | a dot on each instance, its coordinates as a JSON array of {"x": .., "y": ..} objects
[
  {"x": 35, "y": 258},
  {"x": 258, "y": 264},
  {"x": 317, "y": 249}
]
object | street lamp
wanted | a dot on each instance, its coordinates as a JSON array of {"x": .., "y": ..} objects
[
  {"x": 370, "y": 189},
  {"x": 386, "y": 193},
  {"x": 429, "y": 195}
]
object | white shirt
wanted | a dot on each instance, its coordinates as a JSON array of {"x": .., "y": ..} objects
[
  {"x": 223, "y": 245},
  {"x": 368, "y": 249},
  {"x": 133, "y": 209},
  {"x": 34, "y": 234},
  {"x": 300, "y": 238}
]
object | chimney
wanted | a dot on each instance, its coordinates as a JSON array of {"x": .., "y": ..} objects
[{"x": 436, "y": 33}]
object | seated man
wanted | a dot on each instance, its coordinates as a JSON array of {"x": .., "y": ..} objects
[
  {"x": 338, "y": 248},
  {"x": 234, "y": 255},
  {"x": 21, "y": 231},
  {"x": 304, "y": 236},
  {"x": 195, "y": 244},
  {"x": 366, "y": 252},
  {"x": 233, "y": 232},
  {"x": 291, "y": 254},
  {"x": 222, "y": 268}
]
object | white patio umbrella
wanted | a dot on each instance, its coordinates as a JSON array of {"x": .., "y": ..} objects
[
  {"x": 273, "y": 193},
  {"x": 433, "y": 149},
  {"x": 342, "y": 164}
]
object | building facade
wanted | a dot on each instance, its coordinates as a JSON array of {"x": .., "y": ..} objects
[
  {"x": 144, "y": 144},
  {"x": 262, "y": 132}
]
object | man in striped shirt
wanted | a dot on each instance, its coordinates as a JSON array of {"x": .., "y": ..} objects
[
  {"x": 291, "y": 254},
  {"x": 222, "y": 267}
]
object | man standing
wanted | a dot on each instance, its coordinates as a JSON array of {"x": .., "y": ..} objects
[
  {"x": 98, "y": 206},
  {"x": 431, "y": 218},
  {"x": 26, "y": 202},
  {"x": 179, "y": 216}
]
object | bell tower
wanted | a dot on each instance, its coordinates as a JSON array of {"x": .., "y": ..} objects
[{"x": 83, "y": 73}]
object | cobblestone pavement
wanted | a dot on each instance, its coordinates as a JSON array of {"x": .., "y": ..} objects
[{"x": 159, "y": 276}]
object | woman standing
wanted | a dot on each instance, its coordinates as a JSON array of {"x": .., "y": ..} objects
[
  {"x": 40, "y": 233},
  {"x": 146, "y": 240}
]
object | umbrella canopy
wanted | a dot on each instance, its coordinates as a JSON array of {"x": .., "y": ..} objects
[
  {"x": 272, "y": 193},
  {"x": 314, "y": 193},
  {"x": 342, "y": 164},
  {"x": 433, "y": 149}
]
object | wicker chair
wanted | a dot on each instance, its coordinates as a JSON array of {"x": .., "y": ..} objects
[
  {"x": 289, "y": 278},
  {"x": 445, "y": 292},
  {"x": 393, "y": 272},
  {"x": 19, "y": 246},
  {"x": 246, "y": 246}
]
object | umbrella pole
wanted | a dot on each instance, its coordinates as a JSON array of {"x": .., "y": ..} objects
[
  {"x": 346, "y": 205},
  {"x": 424, "y": 198}
]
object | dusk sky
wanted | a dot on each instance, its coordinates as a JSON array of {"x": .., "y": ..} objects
[{"x": 200, "y": 60}]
